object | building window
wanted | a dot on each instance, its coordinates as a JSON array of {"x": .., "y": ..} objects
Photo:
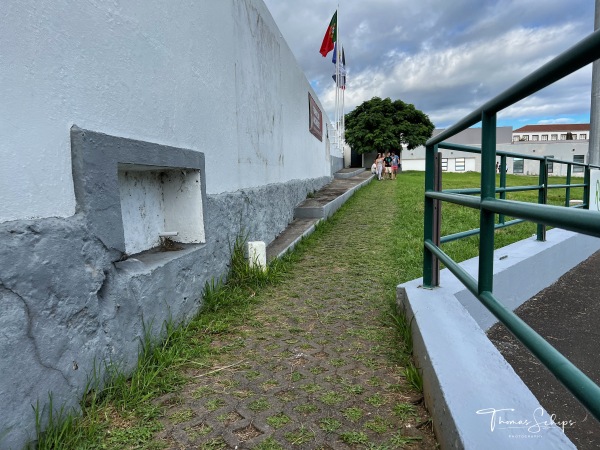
[
  {"x": 525, "y": 137},
  {"x": 554, "y": 137},
  {"x": 550, "y": 165},
  {"x": 516, "y": 137},
  {"x": 459, "y": 164},
  {"x": 518, "y": 165},
  {"x": 535, "y": 137},
  {"x": 578, "y": 159},
  {"x": 444, "y": 164},
  {"x": 563, "y": 136},
  {"x": 544, "y": 137},
  {"x": 583, "y": 136}
]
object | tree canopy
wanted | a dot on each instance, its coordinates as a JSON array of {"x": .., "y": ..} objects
[{"x": 383, "y": 125}]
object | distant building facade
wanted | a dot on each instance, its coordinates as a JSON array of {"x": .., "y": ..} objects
[
  {"x": 569, "y": 142},
  {"x": 553, "y": 132},
  {"x": 452, "y": 160}
]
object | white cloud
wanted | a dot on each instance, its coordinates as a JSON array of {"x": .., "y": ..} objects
[
  {"x": 559, "y": 120},
  {"x": 447, "y": 58}
]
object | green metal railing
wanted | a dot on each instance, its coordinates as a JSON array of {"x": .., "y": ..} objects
[
  {"x": 578, "y": 220},
  {"x": 542, "y": 187}
]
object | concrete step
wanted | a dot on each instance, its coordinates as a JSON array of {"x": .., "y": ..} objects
[
  {"x": 310, "y": 212},
  {"x": 288, "y": 239},
  {"x": 329, "y": 199},
  {"x": 348, "y": 172}
]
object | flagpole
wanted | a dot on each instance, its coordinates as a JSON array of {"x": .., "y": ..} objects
[
  {"x": 337, "y": 81},
  {"x": 337, "y": 98},
  {"x": 343, "y": 116}
]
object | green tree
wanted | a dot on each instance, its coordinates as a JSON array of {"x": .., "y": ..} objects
[{"x": 382, "y": 125}]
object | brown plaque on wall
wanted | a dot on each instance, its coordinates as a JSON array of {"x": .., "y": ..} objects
[{"x": 315, "y": 119}]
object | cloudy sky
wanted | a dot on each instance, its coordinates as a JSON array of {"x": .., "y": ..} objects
[{"x": 447, "y": 57}]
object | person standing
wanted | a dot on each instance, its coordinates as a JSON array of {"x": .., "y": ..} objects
[
  {"x": 379, "y": 163},
  {"x": 388, "y": 165},
  {"x": 395, "y": 162}
]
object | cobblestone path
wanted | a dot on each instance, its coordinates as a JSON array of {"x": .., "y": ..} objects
[{"x": 314, "y": 366}]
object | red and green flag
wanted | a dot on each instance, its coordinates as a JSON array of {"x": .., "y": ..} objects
[{"x": 330, "y": 37}]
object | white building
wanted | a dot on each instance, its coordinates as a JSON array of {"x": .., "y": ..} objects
[
  {"x": 526, "y": 140},
  {"x": 552, "y": 132}
]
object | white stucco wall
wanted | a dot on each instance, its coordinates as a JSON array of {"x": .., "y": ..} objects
[{"x": 212, "y": 76}]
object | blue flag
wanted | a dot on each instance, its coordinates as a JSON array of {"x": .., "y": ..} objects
[{"x": 334, "y": 58}]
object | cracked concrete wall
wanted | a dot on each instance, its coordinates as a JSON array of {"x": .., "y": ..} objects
[{"x": 67, "y": 303}]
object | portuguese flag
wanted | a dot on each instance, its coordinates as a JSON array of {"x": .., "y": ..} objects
[{"x": 330, "y": 36}]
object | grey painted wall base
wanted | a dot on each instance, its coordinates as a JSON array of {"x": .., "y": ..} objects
[
  {"x": 336, "y": 164},
  {"x": 68, "y": 303},
  {"x": 463, "y": 372}
]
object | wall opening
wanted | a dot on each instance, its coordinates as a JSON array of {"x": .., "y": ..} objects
[{"x": 159, "y": 203}]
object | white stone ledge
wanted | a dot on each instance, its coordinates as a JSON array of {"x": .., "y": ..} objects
[{"x": 463, "y": 372}]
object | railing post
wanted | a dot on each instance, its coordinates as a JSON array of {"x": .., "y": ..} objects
[
  {"x": 568, "y": 193},
  {"x": 488, "y": 190},
  {"x": 429, "y": 259},
  {"x": 501, "y": 218},
  {"x": 542, "y": 196},
  {"x": 437, "y": 218},
  {"x": 586, "y": 189}
]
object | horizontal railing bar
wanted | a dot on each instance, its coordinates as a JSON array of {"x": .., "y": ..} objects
[
  {"x": 464, "y": 234},
  {"x": 572, "y": 163},
  {"x": 471, "y": 191},
  {"x": 519, "y": 155},
  {"x": 466, "y": 191},
  {"x": 459, "y": 147},
  {"x": 457, "y": 236},
  {"x": 562, "y": 186},
  {"x": 555, "y": 161},
  {"x": 509, "y": 223},
  {"x": 518, "y": 188},
  {"x": 585, "y": 222},
  {"x": 459, "y": 199},
  {"x": 470, "y": 149},
  {"x": 581, "y": 54}
]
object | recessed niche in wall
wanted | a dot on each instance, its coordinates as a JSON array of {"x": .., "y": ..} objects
[
  {"x": 159, "y": 203},
  {"x": 131, "y": 192}
]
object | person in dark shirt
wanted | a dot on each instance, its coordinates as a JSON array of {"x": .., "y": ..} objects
[{"x": 388, "y": 165}]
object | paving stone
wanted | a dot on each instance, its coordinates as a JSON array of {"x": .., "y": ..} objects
[{"x": 309, "y": 369}]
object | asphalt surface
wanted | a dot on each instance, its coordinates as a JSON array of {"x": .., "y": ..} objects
[{"x": 567, "y": 315}]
